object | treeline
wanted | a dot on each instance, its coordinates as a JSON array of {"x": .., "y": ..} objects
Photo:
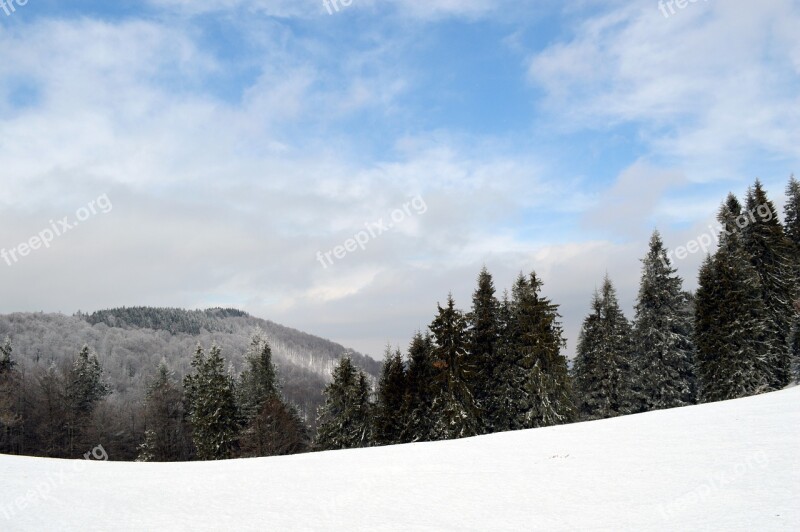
[{"x": 499, "y": 366}]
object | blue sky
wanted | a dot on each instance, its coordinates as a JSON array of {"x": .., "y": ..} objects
[{"x": 238, "y": 138}]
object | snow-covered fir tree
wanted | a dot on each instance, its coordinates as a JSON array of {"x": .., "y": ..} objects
[
  {"x": 211, "y": 405},
  {"x": 770, "y": 252},
  {"x": 483, "y": 338},
  {"x": 344, "y": 421},
  {"x": 730, "y": 318},
  {"x": 390, "y": 417},
  {"x": 422, "y": 387},
  {"x": 602, "y": 369},
  {"x": 663, "y": 348},
  {"x": 538, "y": 341},
  {"x": 454, "y": 409},
  {"x": 84, "y": 388},
  {"x": 165, "y": 436},
  {"x": 792, "y": 228}
]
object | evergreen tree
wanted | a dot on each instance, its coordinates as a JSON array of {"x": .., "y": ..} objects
[
  {"x": 166, "y": 436},
  {"x": 259, "y": 381},
  {"x": 509, "y": 401},
  {"x": 602, "y": 369},
  {"x": 483, "y": 338},
  {"x": 344, "y": 421},
  {"x": 454, "y": 409},
  {"x": 421, "y": 390},
  {"x": 390, "y": 416},
  {"x": 664, "y": 352},
  {"x": 10, "y": 418},
  {"x": 730, "y": 319},
  {"x": 539, "y": 339},
  {"x": 792, "y": 228},
  {"x": 770, "y": 253},
  {"x": 211, "y": 401},
  {"x": 84, "y": 389}
]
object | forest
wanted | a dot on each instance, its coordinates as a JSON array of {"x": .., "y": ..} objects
[{"x": 497, "y": 367}]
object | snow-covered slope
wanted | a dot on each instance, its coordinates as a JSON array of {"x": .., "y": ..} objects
[{"x": 724, "y": 466}]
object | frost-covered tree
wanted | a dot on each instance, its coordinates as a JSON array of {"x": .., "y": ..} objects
[
  {"x": 421, "y": 389},
  {"x": 792, "y": 228},
  {"x": 509, "y": 401},
  {"x": 730, "y": 319},
  {"x": 390, "y": 416},
  {"x": 211, "y": 406},
  {"x": 259, "y": 381},
  {"x": 10, "y": 418},
  {"x": 602, "y": 370},
  {"x": 483, "y": 338},
  {"x": 770, "y": 253},
  {"x": 166, "y": 438},
  {"x": 454, "y": 409},
  {"x": 84, "y": 388},
  {"x": 663, "y": 347},
  {"x": 538, "y": 342},
  {"x": 344, "y": 421}
]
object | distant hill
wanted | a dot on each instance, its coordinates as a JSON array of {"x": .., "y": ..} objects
[{"x": 130, "y": 343}]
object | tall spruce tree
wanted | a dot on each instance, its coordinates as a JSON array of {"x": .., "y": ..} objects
[
  {"x": 730, "y": 318},
  {"x": 85, "y": 388},
  {"x": 483, "y": 338},
  {"x": 390, "y": 416},
  {"x": 10, "y": 418},
  {"x": 421, "y": 390},
  {"x": 509, "y": 400},
  {"x": 770, "y": 253},
  {"x": 454, "y": 408},
  {"x": 211, "y": 406},
  {"x": 344, "y": 421},
  {"x": 792, "y": 228},
  {"x": 602, "y": 371},
  {"x": 539, "y": 340},
  {"x": 165, "y": 436},
  {"x": 663, "y": 347}
]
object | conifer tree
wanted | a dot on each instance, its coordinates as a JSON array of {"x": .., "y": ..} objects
[
  {"x": 84, "y": 389},
  {"x": 509, "y": 400},
  {"x": 602, "y": 370},
  {"x": 421, "y": 389},
  {"x": 344, "y": 421},
  {"x": 259, "y": 381},
  {"x": 390, "y": 416},
  {"x": 211, "y": 401},
  {"x": 770, "y": 253},
  {"x": 10, "y": 417},
  {"x": 539, "y": 340},
  {"x": 483, "y": 338},
  {"x": 454, "y": 408},
  {"x": 792, "y": 228},
  {"x": 664, "y": 352},
  {"x": 730, "y": 319},
  {"x": 165, "y": 436}
]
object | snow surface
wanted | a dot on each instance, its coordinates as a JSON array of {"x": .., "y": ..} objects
[{"x": 723, "y": 466}]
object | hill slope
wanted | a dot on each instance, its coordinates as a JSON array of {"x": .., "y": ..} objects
[{"x": 725, "y": 466}]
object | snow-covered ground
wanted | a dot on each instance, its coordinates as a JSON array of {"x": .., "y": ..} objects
[{"x": 724, "y": 466}]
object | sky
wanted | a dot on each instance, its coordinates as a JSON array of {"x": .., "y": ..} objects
[{"x": 341, "y": 169}]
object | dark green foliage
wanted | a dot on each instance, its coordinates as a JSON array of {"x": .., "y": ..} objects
[
  {"x": 10, "y": 418},
  {"x": 173, "y": 320},
  {"x": 509, "y": 401},
  {"x": 344, "y": 421},
  {"x": 421, "y": 390},
  {"x": 259, "y": 381},
  {"x": 84, "y": 388},
  {"x": 538, "y": 340},
  {"x": 602, "y": 372},
  {"x": 454, "y": 407},
  {"x": 211, "y": 406},
  {"x": 390, "y": 415},
  {"x": 166, "y": 436},
  {"x": 730, "y": 319},
  {"x": 484, "y": 335},
  {"x": 664, "y": 352},
  {"x": 770, "y": 252}
]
